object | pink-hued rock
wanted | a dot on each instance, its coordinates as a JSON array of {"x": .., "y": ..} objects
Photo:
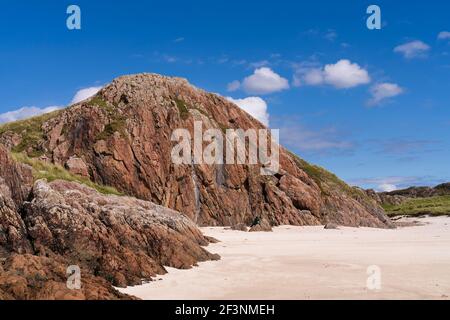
[
  {"x": 123, "y": 135},
  {"x": 47, "y": 227},
  {"x": 126, "y": 239},
  {"x": 77, "y": 166}
]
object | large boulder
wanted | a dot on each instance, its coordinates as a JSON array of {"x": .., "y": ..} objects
[
  {"x": 18, "y": 178},
  {"x": 122, "y": 239},
  {"x": 31, "y": 277}
]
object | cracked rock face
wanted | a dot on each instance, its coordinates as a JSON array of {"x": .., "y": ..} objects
[
  {"x": 15, "y": 184},
  {"x": 122, "y": 138},
  {"x": 120, "y": 238},
  {"x": 17, "y": 178},
  {"x": 114, "y": 240}
]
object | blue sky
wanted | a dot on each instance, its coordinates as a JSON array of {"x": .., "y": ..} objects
[{"x": 370, "y": 105}]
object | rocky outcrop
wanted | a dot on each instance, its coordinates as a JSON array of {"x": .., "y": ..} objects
[
  {"x": 31, "y": 277},
  {"x": 261, "y": 225},
  {"x": 17, "y": 178},
  {"x": 122, "y": 138},
  {"x": 422, "y": 192},
  {"x": 398, "y": 197},
  {"x": 119, "y": 238},
  {"x": 77, "y": 166},
  {"x": 15, "y": 184},
  {"x": 331, "y": 226},
  {"x": 113, "y": 240}
]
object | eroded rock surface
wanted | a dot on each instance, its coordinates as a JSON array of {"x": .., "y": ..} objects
[
  {"x": 120, "y": 238},
  {"x": 113, "y": 240}
]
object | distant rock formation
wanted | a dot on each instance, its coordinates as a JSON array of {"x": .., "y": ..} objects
[{"x": 398, "y": 197}]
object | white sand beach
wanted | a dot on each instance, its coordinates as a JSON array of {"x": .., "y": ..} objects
[{"x": 313, "y": 263}]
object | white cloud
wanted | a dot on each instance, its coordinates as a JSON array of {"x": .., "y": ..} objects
[
  {"x": 388, "y": 184},
  {"x": 28, "y": 112},
  {"x": 444, "y": 35},
  {"x": 384, "y": 91},
  {"x": 233, "y": 86},
  {"x": 264, "y": 81},
  {"x": 255, "y": 106},
  {"x": 345, "y": 74},
  {"x": 313, "y": 77},
  {"x": 84, "y": 94},
  {"x": 413, "y": 49},
  {"x": 386, "y": 187},
  {"x": 342, "y": 75},
  {"x": 24, "y": 113}
]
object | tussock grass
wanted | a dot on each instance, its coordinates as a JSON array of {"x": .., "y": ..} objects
[
  {"x": 435, "y": 206},
  {"x": 182, "y": 108},
  {"x": 51, "y": 172},
  {"x": 31, "y": 132},
  {"x": 99, "y": 101}
]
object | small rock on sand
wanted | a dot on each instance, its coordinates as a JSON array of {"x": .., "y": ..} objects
[{"x": 331, "y": 226}]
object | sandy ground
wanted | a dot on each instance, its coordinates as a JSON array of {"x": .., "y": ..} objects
[{"x": 312, "y": 263}]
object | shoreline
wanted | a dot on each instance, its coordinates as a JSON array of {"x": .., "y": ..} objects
[{"x": 302, "y": 263}]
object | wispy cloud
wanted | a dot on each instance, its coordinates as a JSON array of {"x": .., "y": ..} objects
[
  {"x": 329, "y": 34},
  {"x": 413, "y": 49},
  {"x": 170, "y": 59},
  {"x": 405, "y": 146},
  {"x": 28, "y": 112},
  {"x": 84, "y": 94},
  {"x": 233, "y": 86},
  {"x": 314, "y": 141},
  {"x": 25, "y": 112},
  {"x": 444, "y": 35},
  {"x": 383, "y": 91}
]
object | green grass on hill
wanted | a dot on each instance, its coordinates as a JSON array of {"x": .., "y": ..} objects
[
  {"x": 328, "y": 181},
  {"x": 182, "y": 108},
  {"x": 98, "y": 100},
  {"x": 51, "y": 172},
  {"x": 435, "y": 206},
  {"x": 30, "y": 130}
]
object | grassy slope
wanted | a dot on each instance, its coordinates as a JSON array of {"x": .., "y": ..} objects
[
  {"x": 435, "y": 206},
  {"x": 30, "y": 130},
  {"x": 32, "y": 134}
]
